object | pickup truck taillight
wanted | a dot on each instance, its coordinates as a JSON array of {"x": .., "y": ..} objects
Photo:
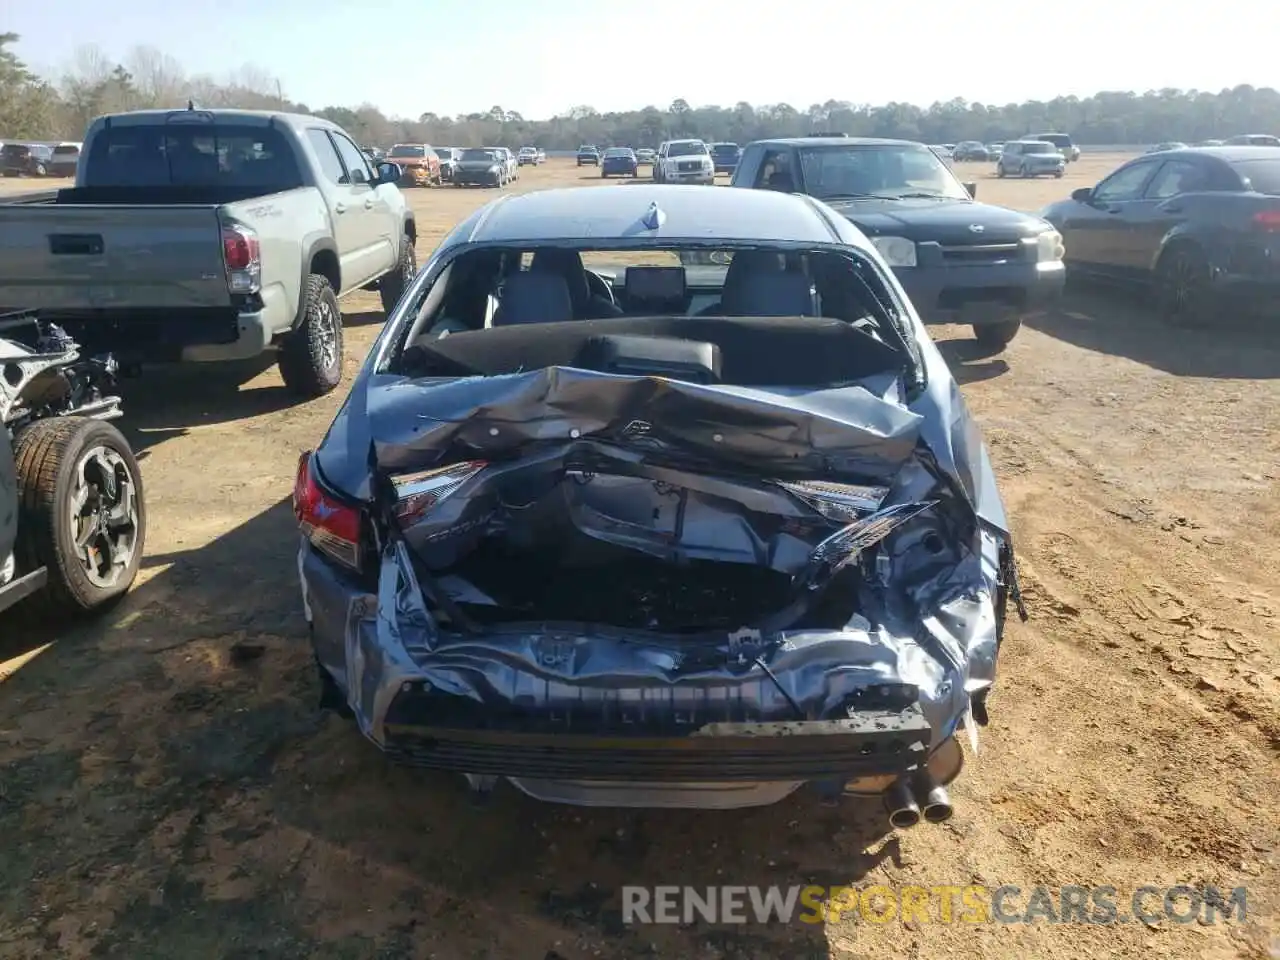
[
  {"x": 243, "y": 258},
  {"x": 332, "y": 527}
]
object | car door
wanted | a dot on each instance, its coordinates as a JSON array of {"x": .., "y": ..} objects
[
  {"x": 1158, "y": 211},
  {"x": 341, "y": 199},
  {"x": 1097, "y": 230},
  {"x": 369, "y": 211}
]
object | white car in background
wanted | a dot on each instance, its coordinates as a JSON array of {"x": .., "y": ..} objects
[{"x": 684, "y": 161}]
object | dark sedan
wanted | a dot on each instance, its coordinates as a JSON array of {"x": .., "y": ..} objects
[
  {"x": 1200, "y": 225},
  {"x": 619, "y": 162},
  {"x": 481, "y": 168}
]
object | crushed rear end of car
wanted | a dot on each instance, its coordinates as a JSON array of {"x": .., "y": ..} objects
[{"x": 618, "y": 587}]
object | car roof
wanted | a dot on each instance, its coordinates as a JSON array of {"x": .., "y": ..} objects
[
  {"x": 614, "y": 213},
  {"x": 1230, "y": 154},
  {"x": 255, "y": 117},
  {"x": 836, "y": 142}
]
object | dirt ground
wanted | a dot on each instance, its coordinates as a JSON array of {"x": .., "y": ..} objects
[{"x": 165, "y": 793}]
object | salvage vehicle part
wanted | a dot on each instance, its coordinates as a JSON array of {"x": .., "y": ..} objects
[
  {"x": 72, "y": 512},
  {"x": 737, "y": 535}
]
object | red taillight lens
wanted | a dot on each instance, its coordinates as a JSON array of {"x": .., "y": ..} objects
[
  {"x": 417, "y": 493},
  {"x": 243, "y": 258},
  {"x": 332, "y": 527},
  {"x": 1267, "y": 220}
]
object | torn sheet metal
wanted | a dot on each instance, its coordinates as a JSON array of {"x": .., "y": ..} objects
[{"x": 926, "y": 621}]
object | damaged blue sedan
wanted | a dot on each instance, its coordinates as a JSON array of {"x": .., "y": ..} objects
[{"x": 659, "y": 496}]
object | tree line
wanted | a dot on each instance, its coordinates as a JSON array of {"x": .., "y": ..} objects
[{"x": 38, "y": 107}]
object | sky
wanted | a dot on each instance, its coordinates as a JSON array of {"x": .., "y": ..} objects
[{"x": 412, "y": 56}]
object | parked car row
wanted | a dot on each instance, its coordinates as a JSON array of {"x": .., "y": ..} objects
[{"x": 39, "y": 159}]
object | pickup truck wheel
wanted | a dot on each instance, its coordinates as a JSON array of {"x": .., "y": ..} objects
[
  {"x": 996, "y": 336},
  {"x": 393, "y": 285},
  {"x": 311, "y": 356},
  {"x": 81, "y": 513}
]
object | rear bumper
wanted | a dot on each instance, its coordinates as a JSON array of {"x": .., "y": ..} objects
[
  {"x": 623, "y": 719},
  {"x": 976, "y": 295},
  {"x": 725, "y": 167},
  {"x": 161, "y": 336},
  {"x": 621, "y": 169}
]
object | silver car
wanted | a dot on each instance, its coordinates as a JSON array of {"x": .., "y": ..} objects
[
  {"x": 1031, "y": 158},
  {"x": 627, "y": 532}
]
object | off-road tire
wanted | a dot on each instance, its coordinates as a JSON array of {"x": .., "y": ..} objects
[
  {"x": 46, "y": 453},
  {"x": 302, "y": 362},
  {"x": 392, "y": 286},
  {"x": 994, "y": 337}
]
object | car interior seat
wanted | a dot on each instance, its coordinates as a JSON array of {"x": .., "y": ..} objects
[
  {"x": 781, "y": 180},
  {"x": 744, "y": 262},
  {"x": 568, "y": 264},
  {"x": 533, "y": 297},
  {"x": 772, "y": 293}
]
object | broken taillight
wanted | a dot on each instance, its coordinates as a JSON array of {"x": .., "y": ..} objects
[
  {"x": 837, "y": 501},
  {"x": 331, "y": 526},
  {"x": 417, "y": 493}
]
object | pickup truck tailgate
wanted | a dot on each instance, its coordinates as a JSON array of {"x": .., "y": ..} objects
[{"x": 76, "y": 257}]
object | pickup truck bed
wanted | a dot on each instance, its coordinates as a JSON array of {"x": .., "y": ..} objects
[
  {"x": 140, "y": 271},
  {"x": 195, "y": 235}
]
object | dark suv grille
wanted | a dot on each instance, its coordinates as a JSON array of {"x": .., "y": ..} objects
[{"x": 981, "y": 253}]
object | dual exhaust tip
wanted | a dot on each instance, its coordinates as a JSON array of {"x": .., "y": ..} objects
[{"x": 915, "y": 797}]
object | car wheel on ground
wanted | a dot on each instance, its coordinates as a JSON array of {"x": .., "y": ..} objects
[
  {"x": 1024, "y": 172},
  {"x": 311, "y": 356},
  {"x": 391, "y": 288},
  {"x": 82, "y": 514},
  {"x": 1183, "y": 286},
  {"x": 994, "y": 337}
]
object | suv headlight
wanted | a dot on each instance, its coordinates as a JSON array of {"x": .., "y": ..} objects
[
  {"x": 897, "y": 251},
  {"x": 1049, "y": 246}
]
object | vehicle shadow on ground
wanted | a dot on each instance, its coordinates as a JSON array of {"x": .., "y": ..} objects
[
  {"x": 165, "y": 401},
  {"x": 364, "y": 318},
  {"x": 195, "y": 702},
  {"x": 1115, "y": 321},
  {"x": 970, "y": 363}
]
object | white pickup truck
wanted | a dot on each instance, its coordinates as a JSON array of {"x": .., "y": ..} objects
[{"x": 206, "y": 235}]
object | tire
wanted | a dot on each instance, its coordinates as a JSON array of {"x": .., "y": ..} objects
[
  {"x": 1024, "y": 173},
  {"x": 392, "y": 286},
  {"x": 40, "y": 170},
  {"x": 1000, "y": 170},
  {"x": 311, "y": 356},
  {"x": 1183, "y": 289},
  {"x": 994, "y": 337},
  {"x": 61, "y": 460}
]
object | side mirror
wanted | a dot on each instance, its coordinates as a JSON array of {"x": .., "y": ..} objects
[
  {"x": 1082, "y": 194},
  {"x": 972, "y": 188},
  {"x": 388, "y": 173}
]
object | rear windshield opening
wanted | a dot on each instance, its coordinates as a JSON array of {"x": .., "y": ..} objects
[
  {"x": 503, "y": 310},
  {"x": 203, "y": 155}
]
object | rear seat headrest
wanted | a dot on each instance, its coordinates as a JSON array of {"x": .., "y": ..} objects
[{"x": 529, "y": 297}]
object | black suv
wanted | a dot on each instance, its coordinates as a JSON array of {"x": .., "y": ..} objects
[
  {"x": 958, "y": 260},
  {"x": 589, "y": 156}
]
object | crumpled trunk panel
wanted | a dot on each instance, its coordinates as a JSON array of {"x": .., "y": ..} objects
[{"x": 737, "y": 592}]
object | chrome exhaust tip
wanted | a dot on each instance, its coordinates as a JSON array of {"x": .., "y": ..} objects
[
  {"x": 903, "y": 810},
  {"x": 933, "y": 799}
]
